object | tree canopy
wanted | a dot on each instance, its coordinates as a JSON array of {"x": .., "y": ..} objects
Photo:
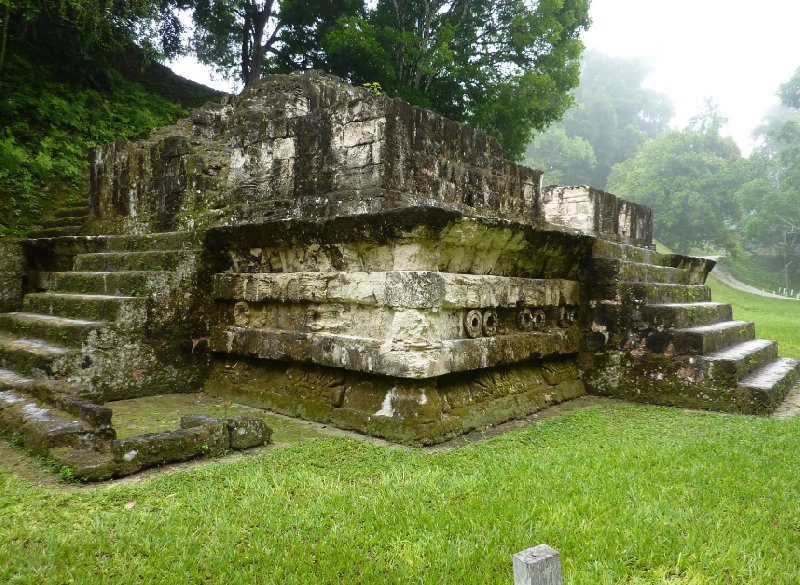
[
  {"x": 503, "y": 66},
  {"x": 613, "y": 116},
  {"x": 689, "y": 178}
]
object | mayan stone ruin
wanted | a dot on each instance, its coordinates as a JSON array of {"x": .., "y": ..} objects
[{"x": 313, "y": 249}]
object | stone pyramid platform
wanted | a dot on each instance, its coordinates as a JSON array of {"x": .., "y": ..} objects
[{"x": 329, "y": 254}]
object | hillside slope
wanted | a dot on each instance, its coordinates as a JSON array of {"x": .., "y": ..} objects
[{"x": 53, "y": 111}]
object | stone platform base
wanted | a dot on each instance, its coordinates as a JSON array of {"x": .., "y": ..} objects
[{"x": 411, "y": 412}]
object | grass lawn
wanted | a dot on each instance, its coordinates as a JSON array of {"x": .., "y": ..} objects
[
  {"x": 777, "y": 319},
  {"x": 628, "y": 494}
]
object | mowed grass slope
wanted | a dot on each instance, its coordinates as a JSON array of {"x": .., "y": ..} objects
[
  {"x": 777, "y": 319},
  {"x": 627, "y": 494}
]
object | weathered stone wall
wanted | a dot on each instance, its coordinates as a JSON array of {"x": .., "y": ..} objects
[
  {"x": 13, "y": 267},
  {"x": 415, "y": 324},
  {"x": 304, "y": 146},
  {"x": 598, "y": 213},
  {"x": 413, "y": 293}
]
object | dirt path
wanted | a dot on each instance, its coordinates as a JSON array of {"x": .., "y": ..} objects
[{"x": 726, "y": 277}]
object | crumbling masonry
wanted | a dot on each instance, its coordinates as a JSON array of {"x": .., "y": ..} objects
[{"x": 330, "y": 254}]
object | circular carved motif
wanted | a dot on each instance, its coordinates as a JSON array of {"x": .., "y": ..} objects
[
  {"x": 489, "y": 323},
  {"x": 473, "y": 323}
]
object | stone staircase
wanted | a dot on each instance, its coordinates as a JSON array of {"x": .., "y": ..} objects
[
  {"x": 66, "y": 221},
  {"x": 668, "y": 343},
  {"x": 107, "y": 317}
]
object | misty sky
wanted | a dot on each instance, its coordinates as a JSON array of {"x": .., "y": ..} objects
[{"x": 736, "y": 52}]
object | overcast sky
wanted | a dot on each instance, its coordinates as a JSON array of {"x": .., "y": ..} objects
[{"x": 736, "y": 52}]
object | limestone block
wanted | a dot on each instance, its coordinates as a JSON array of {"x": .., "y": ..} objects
[
  {"x": 599, "y": 213},
  {"x": 158, "y": 448},
  {"x": 247, "y": 431},
  {"x": 539, "y": 565},
  {"x": 12, "y": 274},
  {"x": 401, "y": 323}
]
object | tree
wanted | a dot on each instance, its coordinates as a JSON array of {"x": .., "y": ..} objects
[
  {"x": 565, "y": 160},
  {"x": 614, "y": 114},
  {"x": 246, "y": 38},
  {"x": 689, "y": 178},
  {"x": 503, "y": 66},
  {"x": 771, "y": 204}
]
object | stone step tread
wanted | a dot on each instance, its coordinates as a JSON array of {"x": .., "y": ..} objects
[
  {"x": 660, "y": 290},
  {"x": 713, "y": 328},
  {"x": 34, "y": 410},
  {"x": 38, "y": 347},
  {"x": 52, "y": 319},
  {"x": 176, "y": 241},
  {"x": 740, "y": 351},
  {"x": 65, "y": 221},
  {"x": 768, "y": 376},
  {"x": 84, "y": 296},
  {"x": 57, "y": 393},
  {"x": 73, "y": 211},
  {"x": 122, "y": 282},
  {"x": 41, "y": 427},
  {"x": 140, "y": 260},
  {"x": 94, "y": 307},
  {"x": 58, "y": 329},
  {"x": 48, "y": 233},
  {"x": 693, "y": 314}
]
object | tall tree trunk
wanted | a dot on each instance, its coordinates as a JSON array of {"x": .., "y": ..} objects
[
  {"x": 246, "y": 48},
  {"x": 6, "y": 18}
]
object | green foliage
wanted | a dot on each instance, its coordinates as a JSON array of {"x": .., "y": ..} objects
[
  {"x": 688, "y": 178},
  {"x": 48, "y": 126},
  {"x": 614, "y": 115},
  {"x": 503, "y": 66},
  {"x": 373, "y": 87},
  {"x": 566, "y": 160},
  {"x": 771, "y": 203}
]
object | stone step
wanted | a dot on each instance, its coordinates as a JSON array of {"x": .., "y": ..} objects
[
  {"x": 59, "y": 330},
  {"x": 683, "y": 315},
  {"x": 774, "y": 380},
  {"x": 65, "y": 221},
  {"x": 82, "y": 306},
  {"x": 78, "y": 210},
  {"x": 155, "y": 260},
  {"x": 162, "y": 241},
  {"x": 40, "y": 427},
  {"x": 30, "y": 355},
  {"x": 729, "y": 366},
  {"x": 58, "y": 394},
  {"x": 129, "y": 283},
  {"x": 701, "y": 340},
  {"x": 639, "y": 293},
  {"x": 636, "y": 254},
  {"x": 675, "y": 293},
  {"x": 56, "y": 232},
  {"x": 608, "y": 270}
]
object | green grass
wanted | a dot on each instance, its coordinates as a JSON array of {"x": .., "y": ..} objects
[
  {"x": 627, "y": 494},
  {"x": 777, "y": 319}
]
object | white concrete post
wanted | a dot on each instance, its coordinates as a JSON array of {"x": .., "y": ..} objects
[{"x": 539, "y": 565}]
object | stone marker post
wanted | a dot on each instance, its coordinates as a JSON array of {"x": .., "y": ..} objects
[{"x": 539, "y": 565}]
